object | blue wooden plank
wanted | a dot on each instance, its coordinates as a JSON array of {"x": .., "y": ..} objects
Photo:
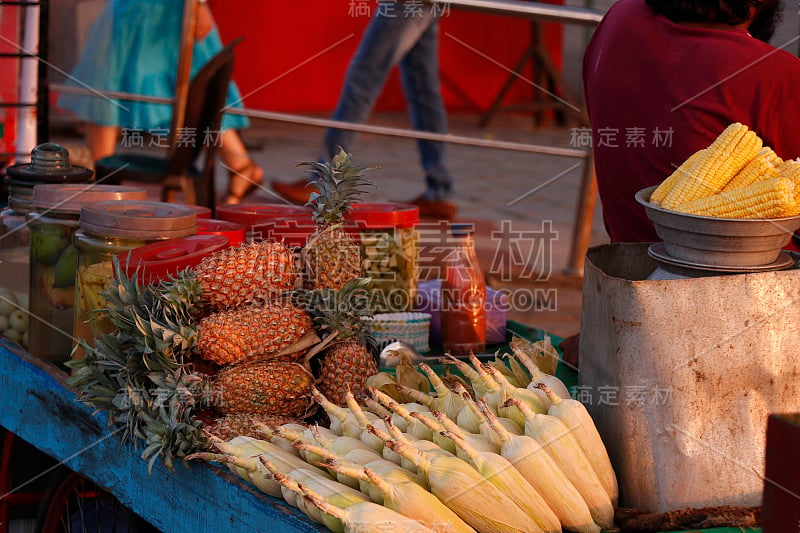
[{"x": 37, "y": 407}]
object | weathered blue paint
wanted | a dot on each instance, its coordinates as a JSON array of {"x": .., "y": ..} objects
[{"x": 36, "y": 406}]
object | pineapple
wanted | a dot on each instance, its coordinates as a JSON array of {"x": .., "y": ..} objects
[
  {"x": 252, "y": 272},
  {"x": 253, "y": 332},
  {"x": 230, "y": 426},
  {"x": 346, "y": 363},
  {"x": 331, "y": 257},
  {"x": 265, "y": 388}
]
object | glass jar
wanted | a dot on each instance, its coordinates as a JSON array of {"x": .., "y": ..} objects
[
  {"x": 113, "y": 228},
  {"x": 49, "y": 164},
  {"x": 54, "y": 260},
  {"x": 389, "y": 252},
  {"x": 463, "y": 297}
]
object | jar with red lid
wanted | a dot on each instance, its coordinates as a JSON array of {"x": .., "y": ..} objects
[
  {"x": 108, "y": 229},
  {"x": 158, "y": 261},
  {"x": 389, "y": 243},
  {"x": 257, "y": 218},
  {"x": 54, "y": 260},
  {"x": 236, "y": 233}
]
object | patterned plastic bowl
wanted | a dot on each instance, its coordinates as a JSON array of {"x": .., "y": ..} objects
[{"x": 411, "y": 328}]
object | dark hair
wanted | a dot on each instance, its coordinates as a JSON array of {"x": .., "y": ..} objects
[{"x": 725, "y": 11}]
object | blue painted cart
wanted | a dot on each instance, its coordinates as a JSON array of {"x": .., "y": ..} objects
[{"x": 36, "y": 406}]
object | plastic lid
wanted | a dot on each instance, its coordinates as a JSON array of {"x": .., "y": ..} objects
[
  {"x": 250, "y": 214},
  {"x": 234, "y": 232},
  {"x": 70, "y": 197},
  {"x": 202, "y": 211},
  {"x": 291, "y": 230},
  {"x": 384, "y": 215},
  {"x": 139, "y": 219},
  {"x": 158, "y": 260},
  {"x": 49, "y": 164}
]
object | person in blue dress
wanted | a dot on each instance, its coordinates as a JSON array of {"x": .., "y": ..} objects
[{"x": 134, "y": 47}]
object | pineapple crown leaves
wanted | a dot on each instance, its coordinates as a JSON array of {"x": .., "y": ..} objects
[
  {"x": 339, "y": 184},
  {"x": 341, "y": 311}
]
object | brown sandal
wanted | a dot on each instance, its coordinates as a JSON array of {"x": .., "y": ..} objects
[{"x": 243, "y": 182}]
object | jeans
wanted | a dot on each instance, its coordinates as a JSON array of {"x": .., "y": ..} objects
[{"x": 410, "y": 39}]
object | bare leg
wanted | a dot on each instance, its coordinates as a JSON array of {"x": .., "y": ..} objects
[
  {"x": 102, "y": 140},
  {"x": 245, "y": 175}
]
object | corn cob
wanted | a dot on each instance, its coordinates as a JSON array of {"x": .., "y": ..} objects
[
  {"x": 408, "y": 499},
  {"x": 502, "y": 474},
  {"x": 760, "y": 168},
  {"x": 416, "y": 396},
  {"x": 558, "y": 441},
  {"x": 461, "y": 488},
  {"x": 500, "y": 366},
  {"x": 285, "y": 444},
  {"x": 413, "y": 425},
  {"x": 359, "y": 517},
  {"x": 536, "y": 400},
  {"x": 366, "y": 437},
  {"x": 790, "y": 169},
  {"x": 343, "y": 421},
  {"x": 574, "y": 414},
  {"x": 544, "y": 475},
  {"x": 726, "y": 156},
  {"x": 350, "y": 516},
  {"x": 479, "y": 442},
  {"x": 307, "y": 435},
  {"x": 527, "y": 352},
  {"x": 475, "y": 379},
  {"x": 445, "y": 400},
  {"x": 436, "y": 427},
  {"x": 516, "y": 367},
  {"x": 681, "y": 173},
  {"x": 376, "y": 408},
  {"x": 773, "y": 198},
  {"x": 485, "y": 428}
]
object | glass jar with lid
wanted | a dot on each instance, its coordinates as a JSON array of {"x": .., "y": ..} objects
[
  {"x": 54, "y": 259},
  {"x": 112, "y": 228},
  {"x": 49, "y": 164}
]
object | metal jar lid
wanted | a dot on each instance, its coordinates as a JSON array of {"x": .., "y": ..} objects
[
  {"x": 138, "y": 219},
  {"x": 49, "y": 164},
  {"x": 70, "y": 197}
]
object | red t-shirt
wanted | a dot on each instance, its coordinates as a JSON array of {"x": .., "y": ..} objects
[{"x": 658, "y": 91}]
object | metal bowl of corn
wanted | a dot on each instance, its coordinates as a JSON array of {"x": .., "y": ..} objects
[{"x": 719, "y": 242}]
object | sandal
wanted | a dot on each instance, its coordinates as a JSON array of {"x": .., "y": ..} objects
[{"x": 243, "y": 182}]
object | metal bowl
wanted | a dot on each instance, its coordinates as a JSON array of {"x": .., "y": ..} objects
[{"x": 723, "y": 242}]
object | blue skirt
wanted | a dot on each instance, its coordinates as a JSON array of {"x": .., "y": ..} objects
[{"x": 134, "y": 47}]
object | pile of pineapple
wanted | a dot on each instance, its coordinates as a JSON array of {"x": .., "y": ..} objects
[
  {"x": 240, "y": 339},
  {"x": 506, "y": 450}
]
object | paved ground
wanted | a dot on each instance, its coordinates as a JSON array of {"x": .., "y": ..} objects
[{"x": 523, "y": 205}]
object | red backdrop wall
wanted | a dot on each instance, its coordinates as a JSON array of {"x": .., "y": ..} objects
[{"x": 295, "y": 53}]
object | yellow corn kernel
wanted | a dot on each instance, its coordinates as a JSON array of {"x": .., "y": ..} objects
[
  {"x": 758, "y": 169},
  {"x": 771, "y": 156},
  {"x": 726, "y": 156},
  {"x": 790, "y": 169},
  {"x": 772, "y": 198},
  {"x": 682, "y": 172}
]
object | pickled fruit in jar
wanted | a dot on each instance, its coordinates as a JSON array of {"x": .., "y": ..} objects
[
  {"x": 66, "y": 267},
  {"x": 48, "y": 242}
]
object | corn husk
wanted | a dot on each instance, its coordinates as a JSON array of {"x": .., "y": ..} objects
[
  {"x": 461, "y": 488},
  {"x": 446, "y": 400},
  {"x": 559, "y": 441},
  {"x": 409, "y": 376},
  {"x": 541, "y": 471},
  {"x": 474, "y": 378},
  {"x": 479, "y": 442},
  {"x": 541, "y": 360},
  {"x": 577, "y": 418},
  {"x": 413, "y": 426},
  {"x": 343, "y": 422},
  {"x": 509, "y": 481},
  {"x": 386, "y": 383}
]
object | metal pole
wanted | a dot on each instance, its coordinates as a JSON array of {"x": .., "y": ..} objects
[
  {"x": 582, "y": 233},
  {"x": 190, "y": 8}
]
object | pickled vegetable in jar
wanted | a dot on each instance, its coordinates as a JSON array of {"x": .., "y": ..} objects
[
  {"x": 49, "y": 165},
  {"x": 54, "y": 261},
  {"x": 113, "y": 228}
]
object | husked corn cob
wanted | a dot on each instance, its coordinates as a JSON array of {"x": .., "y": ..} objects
[
  {"x": 681, "y": 173},
  {"x": 726, "y": 156},
  {"x": 760, "y": 168},
  {"x": 790, "y": 169},
  {"x": 773, "y": 198}
]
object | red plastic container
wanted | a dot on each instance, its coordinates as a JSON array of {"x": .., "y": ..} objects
[
  {"x": 254, "y": 216},
  {"x": 235, "y": 233},
  {"x": 382, "y": 215},
  {"x": 155, "y": 262},
  {"x": 202, "y": 211}
]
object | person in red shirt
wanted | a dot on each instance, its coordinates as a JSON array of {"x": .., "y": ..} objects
[{"x": 663, "y": 78}]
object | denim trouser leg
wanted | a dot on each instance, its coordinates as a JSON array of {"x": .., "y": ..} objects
[
  {"x": 388, "y": 39},
  {"x": 420, "y": 74}
]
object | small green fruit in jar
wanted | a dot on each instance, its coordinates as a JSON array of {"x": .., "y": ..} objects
[
  {"x": 18, "y": 320},
  {"x": 4, "y": 325},
  {"x": 48, "y": 243},
  {"x": 8, "y": 302},
  {"x": 65, "y": 268}
]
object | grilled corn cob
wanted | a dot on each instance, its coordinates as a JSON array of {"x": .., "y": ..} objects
[
  {"x": 774, "y": 198},
  {"x": 761, "y": 167}
]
